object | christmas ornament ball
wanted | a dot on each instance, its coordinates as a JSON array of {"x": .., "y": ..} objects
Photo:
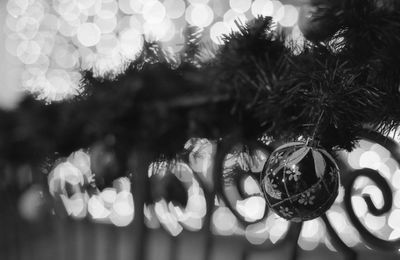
[{"x": 300, "y": 182}]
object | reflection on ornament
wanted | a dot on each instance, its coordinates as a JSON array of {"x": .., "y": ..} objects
[{"x": 300, "y": 182}]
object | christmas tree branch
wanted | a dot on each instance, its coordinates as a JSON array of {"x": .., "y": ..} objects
[{"x": 256, "y": 85}]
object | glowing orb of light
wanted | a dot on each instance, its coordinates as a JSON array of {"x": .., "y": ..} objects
[
  {"x": 278, "y": 229},
  {"x": 50, "y": 23},
  {"x": 353, "y": 158},
  {"x": 289, "y": 15},
  {"x": 196, "y": 205},
  {"x": 174, "y": 8},
  {"x": 28, "y": 52},
  {"x": 31, "y": 202},
  {"x": 278, "y": 15},
  {"x": 69, "y": 173},
  {"x": 339, "y": 222},
  {"x": 394, "y": 235},
  {"x": 240, "y": 6},
  {"x": 88, "y": 34},
  {"x": 154, "y": 11},
  {"x": 123, "y": 204},
  {"x": 224, "y": 222},
  {"x": 108, "y": 10},
  {"x": 67, "y": 29},
  {"x": 311, "y": 229},
  {"x": 257, "y": 233},
  {"x": 94, "y": 9},
  {"x": 40, "y": 67},
  {"x": 17, "y": 7},
  {"x": 135, "y": 23},
  {"x": 200, "y": 15},
  {"x": 122, "y": 184},
  {"x": 68, "y": 10},
  {"x": 131, "y": 42},
  {"x": 231, "y": 18},
  {"x": 251, "y": 208},
  {"x": 393, "y": 220},
  {"x": 85, "y": 4},
  {"x": 251, "y": 187},
  {"x": 125, "y": 6},
  {"x": 36, "y": 11},
  {"x": 262, "y": 7},
  {"x": 217, "y": 31},
  {"x": 359, "y": 205},
  {"x": 307, "y": 245},
  {"x": 159, "y": 32},
  {"x": 108, "y": 43},
  {"x": 109, "y": 196},
  {"x": 396, "y": 199},
  {"x": 59, "y": 85},
  {"x": 27, "y": 27},
  {"x": 47, "y": 41},
  {"x": 199, "y": 1},
  {"x": 120, "y": 221},
  {"x": 76, "y": 205},
  {"x": 370, "y": 159},
  {"x": 81, "y": 160},
  {"x": 396, "y": 179},
  {"x": 66, "y": 57},
  {"x": 106, "y": 25},
  {"x": 373, "y": 222},
  {"x": 96, "y": 208}
]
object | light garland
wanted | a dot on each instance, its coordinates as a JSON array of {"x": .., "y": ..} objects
[{"x": 54, "y": 40}]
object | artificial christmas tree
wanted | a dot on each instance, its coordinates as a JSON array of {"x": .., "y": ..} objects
[{"x": 258, "y": 84}]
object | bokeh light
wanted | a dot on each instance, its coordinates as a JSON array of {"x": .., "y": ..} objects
[
  {"x": 200, "y": 15},
  {"x": 217, "y": 31},
  {"x": 72, "y": 181},
  {"x": 374, "y": 156},
  {"x": 153, "y": 11},
  {"x": 31, "y": 204},
  {"x": 240, "y": 6},
  {"x": 54, "y": 40},
  {"x": 115, "y": 205},
  {"x": 103, "y": 35},
  {"x": 257, "y": 233},
  {"x": 224, "y": 222},
  {"x": 262, "y": 7},
  {"x": 289, "y": 15},
  {"x": 89, "y": 34},
  {"x": 174, "y": 8}
]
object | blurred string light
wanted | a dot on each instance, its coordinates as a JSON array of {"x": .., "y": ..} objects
[
  {"x": 313, "y": 234},
  {"x": 170, "y": 214},
  {"x": 73, "y": 182},
  {"x": 374, "y": 156},
  {"x": 54, "y": 40},
  {"x": 103, "y": 35},
  {"x": 71, "y": 177}
]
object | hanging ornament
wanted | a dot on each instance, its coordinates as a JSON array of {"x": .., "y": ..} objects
[
  {"x": 319, "y": 19},
  {"x": 300, "y": 182}
]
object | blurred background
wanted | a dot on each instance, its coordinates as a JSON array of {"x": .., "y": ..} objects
[{"x": 79, "y": 208}]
